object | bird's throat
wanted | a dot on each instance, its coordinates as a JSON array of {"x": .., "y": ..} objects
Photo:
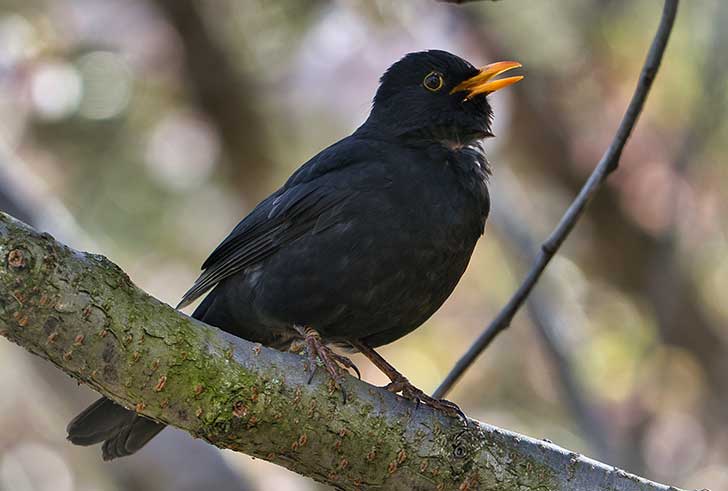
[{"x": 452, "y": 138}]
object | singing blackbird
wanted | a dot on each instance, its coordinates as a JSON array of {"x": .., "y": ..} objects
[{"x": 361, "y": 245}]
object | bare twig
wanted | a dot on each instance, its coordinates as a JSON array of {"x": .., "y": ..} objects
[
  {"x": 606, "y": 166},
  {"x": 508, "y": 218},
  {"x": 645, "y": 271}
]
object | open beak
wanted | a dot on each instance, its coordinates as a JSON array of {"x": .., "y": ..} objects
[{"x": 483, "y": 82}]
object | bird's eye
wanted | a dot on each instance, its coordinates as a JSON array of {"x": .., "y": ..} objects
[{"x": 433, "y": 81}]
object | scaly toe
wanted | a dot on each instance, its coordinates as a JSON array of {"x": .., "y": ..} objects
[
  {"x": 409, "y": 391},
  {"x": 333, "y": 362}
]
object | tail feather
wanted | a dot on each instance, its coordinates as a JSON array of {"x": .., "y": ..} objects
[
  {"x": 131, "y": 438},
  {"x": 101, "y": 420},
  {"x": 122, "y": 431}
]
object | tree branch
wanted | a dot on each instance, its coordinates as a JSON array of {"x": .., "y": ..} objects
[
  {"x": 82, "y": 313},
  {"x": 607, "y": 165}
]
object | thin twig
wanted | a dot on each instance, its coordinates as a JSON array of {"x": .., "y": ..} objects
[
  {"x": 509, "y": 220},
  {"x": 607, "y": 165}
]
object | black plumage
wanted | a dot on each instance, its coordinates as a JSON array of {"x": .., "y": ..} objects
[{"x": 362, "y": 244}]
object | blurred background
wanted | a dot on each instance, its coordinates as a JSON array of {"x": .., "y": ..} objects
[{"x": 145, "y": 129}]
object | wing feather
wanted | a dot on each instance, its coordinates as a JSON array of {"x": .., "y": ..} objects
[
  {"x": 312, "y": 200},
  {"x": 274, "y": 223}
]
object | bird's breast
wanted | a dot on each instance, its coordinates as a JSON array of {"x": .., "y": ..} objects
[{"x": 455, "y": 196}]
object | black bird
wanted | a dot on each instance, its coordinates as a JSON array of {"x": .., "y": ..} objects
[{"x": 361, "y": 245}]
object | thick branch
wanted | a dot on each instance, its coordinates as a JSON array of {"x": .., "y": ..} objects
[
  {"x": 82, "y": 313},
  {"x": 607, "y": 165}
]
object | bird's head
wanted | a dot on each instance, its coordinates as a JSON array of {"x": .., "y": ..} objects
[{"x": 435, "y": 95}]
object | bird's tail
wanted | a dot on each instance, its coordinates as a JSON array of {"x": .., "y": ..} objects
[{"x": 122, "y": 431}]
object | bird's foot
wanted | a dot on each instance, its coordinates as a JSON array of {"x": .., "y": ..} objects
[
  {"x": 408, "y": 391},
  {"x": 402, "y": 385},
  {"x": 332, "y": 361}
]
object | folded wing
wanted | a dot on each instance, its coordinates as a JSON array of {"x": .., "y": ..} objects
[{"x": 279, "y": 220}]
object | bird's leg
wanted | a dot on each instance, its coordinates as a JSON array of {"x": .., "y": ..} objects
[
  {"x": 401, "y": 384},
  {"x": 332, "y": 361}
]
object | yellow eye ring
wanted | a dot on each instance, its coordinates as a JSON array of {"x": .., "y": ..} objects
[{"x": 433, "y": 81}]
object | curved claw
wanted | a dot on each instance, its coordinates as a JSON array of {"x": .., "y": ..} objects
[
  {"x": 332, "y": 362},
  {"x": 347, "y": 363},
  {"x": 409, "y": 391},
  {"x": 311, "y": 371}
]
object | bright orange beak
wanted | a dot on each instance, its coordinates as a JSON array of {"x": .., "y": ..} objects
[{"x": 482, "y": 83}]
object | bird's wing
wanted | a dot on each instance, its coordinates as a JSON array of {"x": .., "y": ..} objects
[
  {"x": 278, "y": 220},
  {"x": 309, "y": 202}
]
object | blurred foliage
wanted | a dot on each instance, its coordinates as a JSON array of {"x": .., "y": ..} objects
[{"x": 157, "y": 148}]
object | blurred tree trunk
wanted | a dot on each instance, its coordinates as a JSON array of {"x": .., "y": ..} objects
[{"x": 226, "y": 95}]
